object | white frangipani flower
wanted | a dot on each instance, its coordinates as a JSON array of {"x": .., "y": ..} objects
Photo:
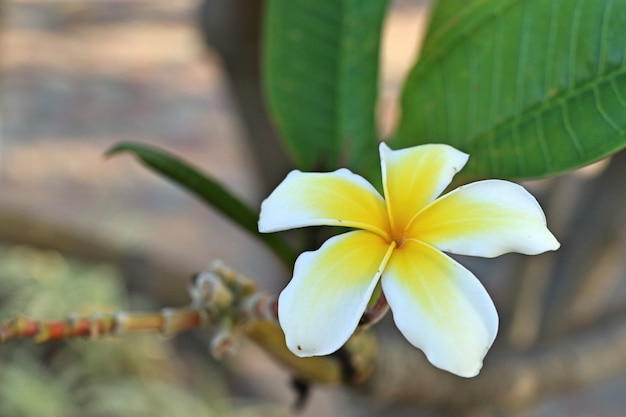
[{"x": 438, "y": 305}]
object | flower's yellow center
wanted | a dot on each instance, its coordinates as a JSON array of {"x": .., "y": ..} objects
[{"x": 399, "y": 239}]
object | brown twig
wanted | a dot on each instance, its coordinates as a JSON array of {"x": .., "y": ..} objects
[
  {"x": 169, "y": 321},
  {"x": 228, "y": 303}
]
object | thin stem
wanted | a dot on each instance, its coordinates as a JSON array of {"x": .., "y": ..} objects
[{"x": 169, "y": 321}]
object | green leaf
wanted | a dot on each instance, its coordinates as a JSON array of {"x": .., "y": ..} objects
[
  {"x": 321, "y": 78},
  {"x": 207, "y": 190},
  {"x": 528, "y": 88}
]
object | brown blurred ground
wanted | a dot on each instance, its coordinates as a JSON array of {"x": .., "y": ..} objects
[{"x": 79, "y": 76}]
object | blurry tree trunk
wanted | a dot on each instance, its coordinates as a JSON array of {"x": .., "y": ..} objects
[{"x": 233, "y": 29}]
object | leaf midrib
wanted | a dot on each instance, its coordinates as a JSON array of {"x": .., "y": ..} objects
[{"x": 546, "y": 105}]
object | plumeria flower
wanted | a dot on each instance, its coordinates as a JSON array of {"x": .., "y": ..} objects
[{"x": 398, "y": 241}]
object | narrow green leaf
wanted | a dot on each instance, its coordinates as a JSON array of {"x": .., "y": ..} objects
[
  {"x": 321, "y": 78},
  {"x": 528, "y": 88},
  {"x": 207, "y": 190}
]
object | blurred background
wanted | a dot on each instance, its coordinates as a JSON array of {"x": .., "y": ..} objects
[{"x": 80, "y": 233}]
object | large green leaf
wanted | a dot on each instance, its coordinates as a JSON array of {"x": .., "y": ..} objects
[
  {"x": 321, "y": 78},
  {"x": 207, "y": 189},
  {"x": 528, "y": 87}
]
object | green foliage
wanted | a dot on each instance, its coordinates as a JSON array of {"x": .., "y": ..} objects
[
  {"x": 321, "y": 73},
  {"x": 207, "y": 190},
  {"x": 528, "y": 88}
]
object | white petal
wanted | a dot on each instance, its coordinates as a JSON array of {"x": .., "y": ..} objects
[
  {"x": 440, "y": 307},
  {"x": 485, "y": 218},
  {"x": 338, "y": 198},
  {"x": 322, "y": 305},
  {"x": 414, "y": 177}
]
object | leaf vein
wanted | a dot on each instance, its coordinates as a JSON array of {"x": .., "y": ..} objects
[
  {"x": 573, "y": 44},
  {"x": 550, "y": 47},
  {"x": 604, "y": 35},
  {"x": 605, "y": 115},
  {"x": 522, "y": 59},
  {"x": 568, "y": 127},
  {"x": 542, "y": 142},
  {"x": 619, "y": 95}
]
